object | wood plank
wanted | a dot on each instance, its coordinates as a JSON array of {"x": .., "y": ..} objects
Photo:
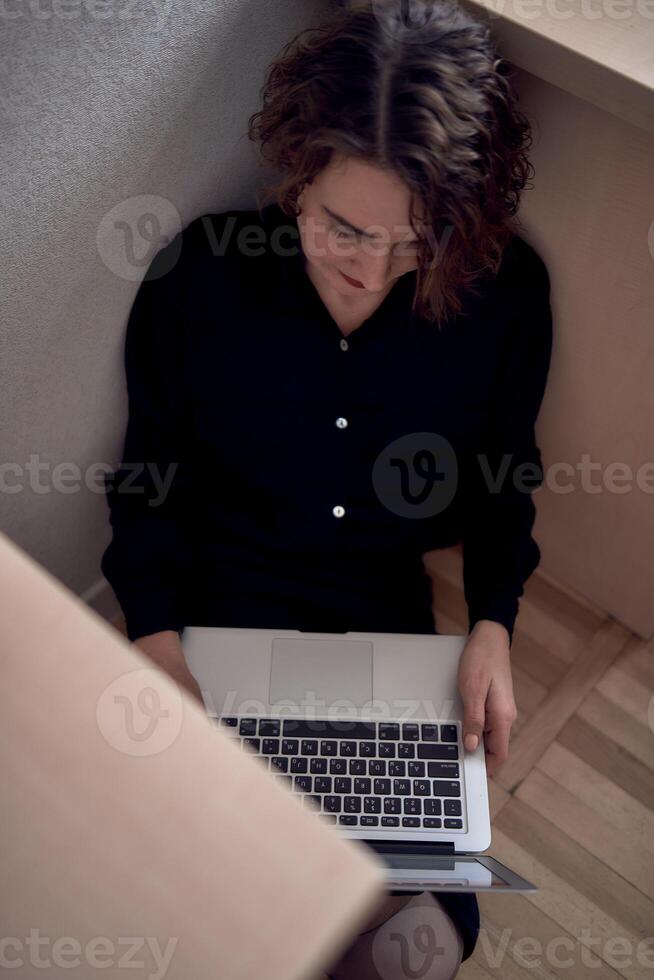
[
  {"x": 497, "y": 798},
  {"x": 620, "y": 726},
  {"x": 515, "y": 918},
  {"x": 472, "y": 970},
  {"x": 573, "y": 864},
  {"x": 609, "y": 758},
  {"x": 626, "y": 692},
  {"x": 528, "y": 693},
  {"x": 535, "y": 659},
  {"x": 561, "y": 703},
  {"x": 627, "y": 815},
  {"x": 638, "y": 662},
  {"x": 589, "y": 829},
  {"x": 558, "y": 898}
]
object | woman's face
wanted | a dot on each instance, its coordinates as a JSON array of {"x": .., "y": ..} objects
[{"x": 354, "y": 222}]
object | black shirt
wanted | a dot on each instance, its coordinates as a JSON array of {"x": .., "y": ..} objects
[{"x": 277, "y": 474}]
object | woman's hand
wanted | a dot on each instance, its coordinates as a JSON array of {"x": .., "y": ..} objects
[
  {"x": 486, "y": 687},
  {"x": 165, "y": 649}
]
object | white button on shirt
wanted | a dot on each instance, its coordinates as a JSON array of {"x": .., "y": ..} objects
[
  {"x": 342, "y": 423},
  {"x": 344, "y": 344},
  {"x": 338, "y": 511}
]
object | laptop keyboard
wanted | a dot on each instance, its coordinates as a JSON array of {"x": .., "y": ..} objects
[{"x": 363, "y": 773}]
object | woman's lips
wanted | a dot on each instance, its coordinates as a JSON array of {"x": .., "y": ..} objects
[{"x": 352, "y": 282}]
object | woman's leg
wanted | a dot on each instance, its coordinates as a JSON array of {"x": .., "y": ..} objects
[{"x": 409, "y": 937}]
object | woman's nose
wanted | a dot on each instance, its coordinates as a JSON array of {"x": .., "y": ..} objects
[{"x": 373, "y": 271}]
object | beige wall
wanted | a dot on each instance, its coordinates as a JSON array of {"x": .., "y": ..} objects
[{"x": 591, "y": 214}]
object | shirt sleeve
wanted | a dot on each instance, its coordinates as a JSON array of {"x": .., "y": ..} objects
[
  {"x": 147, "y": 560},
  {"x": 499, "y": 552}
]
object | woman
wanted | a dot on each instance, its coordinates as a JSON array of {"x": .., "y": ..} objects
[{"x": 289, "y": 363}]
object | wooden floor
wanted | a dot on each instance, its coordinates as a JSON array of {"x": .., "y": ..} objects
[{"x": 573, "y": 806}]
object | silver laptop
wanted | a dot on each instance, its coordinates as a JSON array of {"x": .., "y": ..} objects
[{"x": 366, "y": 729}]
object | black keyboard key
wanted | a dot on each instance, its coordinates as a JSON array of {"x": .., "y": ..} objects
[
  {"x": 390, "y": 821},
  {"x": 410, "y": 733},
  {"x": 421, "y": 787},
  {"x": 367, "y": 748},
  {"x": 303, "y": 783},
  {"x": 388, "y": 730},
  {"x": 412, "y": 806},
  {"x": 352, "y": 804},
  {"x": 282, "y": 778},
  {"x": 322, "y": 784},
  {"x": 453, "y": 824},
  {"x": 433, "y": 823},
  {"x": 332, "y": 804},
  {"x": 298, "y": 765},
  {"x": 382, "y": 787},
  {"x": 348, "y": 748},
  {"x": 387, "y": 750},
  {"x": 377, "y": 767},
  {"x": 416, "y": 769},
  {"x": 254, "y": 743},
  {"x": 433, "y": 808},
  {"x": 445, "y": 752},
  {"x": 229, "y": 722},
  {"x": 347, "y": 819},
  {"x": 406, "y": 750},
  {"x": 337, "y": 767},
  {"x": 430, "y": 733},
  {"x": 401, "y": 787},
  {"x": 371, "y": 804},
  {"x": 290, "y": 746},
  {"x": 449, "y": 733},
  {"x": 397, "y": 768},
  {"x": 279, "y": 762},
  {"x": 392, "y": 805},
  {"x": 452, "y": 808},
  {"x": 357, "y": 767},
  {"x": 328, "y": 817},
  {"x": 328, "y": 748},
  {"x": 361, "y": 785},
  {"x": 248, "y": 726},
  {"x": 410, "y": 821},
  {"x": 269, "y": 726},
  {"x": 342, "y": 784},
  {"x": 369, "y": 821},
  {"x": 318, "y": 766},
  {"x": 441, "y": 787},
  {"x": 312, "y": 801},
  {"x": 270, "y": 746},
  {"x": 309, "y": 746},
  {"x": 325, "y": 728},
  {"x": 443, "y": 770}
]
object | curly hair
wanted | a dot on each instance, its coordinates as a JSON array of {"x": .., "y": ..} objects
[{"x": 423, "y": 97}]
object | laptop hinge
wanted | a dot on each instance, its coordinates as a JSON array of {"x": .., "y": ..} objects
[{"x": 411, "y": 846}]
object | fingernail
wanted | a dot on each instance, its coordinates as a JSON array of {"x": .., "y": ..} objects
[{"x": 470, "y": 742}]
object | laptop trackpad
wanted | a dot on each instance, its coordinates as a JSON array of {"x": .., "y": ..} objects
[{"x": 323, "y": 671}]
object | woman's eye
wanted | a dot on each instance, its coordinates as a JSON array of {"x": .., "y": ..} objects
[{"x": 343, "y": 232}]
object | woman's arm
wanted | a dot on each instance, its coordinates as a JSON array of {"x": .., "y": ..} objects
[
  {"x": 148, "y": 560},
  {"x": 165, "y": 650},
  {"x": 499, "y": 551}
]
